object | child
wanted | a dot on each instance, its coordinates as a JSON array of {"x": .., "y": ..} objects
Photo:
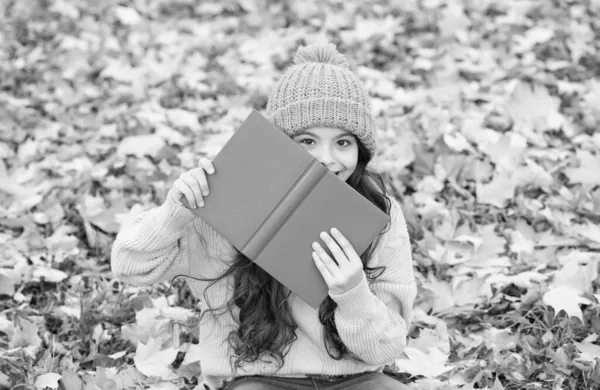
[{"x": 268, "y": 338}]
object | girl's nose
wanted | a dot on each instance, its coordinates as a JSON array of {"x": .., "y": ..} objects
[{"x": 325, "y": 157}]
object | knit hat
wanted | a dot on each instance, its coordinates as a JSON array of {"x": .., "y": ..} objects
[{"x": 321, "y": 90}]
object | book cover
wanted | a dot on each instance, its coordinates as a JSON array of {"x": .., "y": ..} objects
[{"x": 270, "y": 199}]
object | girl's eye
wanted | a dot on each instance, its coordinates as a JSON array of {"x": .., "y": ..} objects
[{"x": 307, "y": 140}]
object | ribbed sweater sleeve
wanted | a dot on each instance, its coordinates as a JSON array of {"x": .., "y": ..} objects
[
  {"x": 154, "y": 246},
  {"x": 373, "y": 320}
]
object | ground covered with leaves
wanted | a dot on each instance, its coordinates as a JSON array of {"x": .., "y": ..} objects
[{"x": 487, "y": 116}]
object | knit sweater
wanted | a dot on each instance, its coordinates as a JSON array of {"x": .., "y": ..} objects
[{"x": 372, "y": 318}]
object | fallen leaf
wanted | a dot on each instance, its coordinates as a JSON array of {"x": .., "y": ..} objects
[
  {"x": 49, "y": 274},
  {"x": 578, "y": 272},
  {"x": 447, "y": 297},
  {"x": 26, "y": 336},
  {"x": 588, "y": 352},
  {"x": 507, "y": 152},
  {"x": 429, "y": 364},
  {"x": 498, "y": 191},
  {"x": 127, "y": 15},
  {"x": 524, "y": 279},
  {"x": 500, "y": 339},
  {"x": 587, "y": 171},
  {"x": 150, "y": 360},
  {"x": 588, "y": 230},
  {"x": 567, "y": 299},
  {"x": 47, "y": 381},
  {"x": 141, "y": 145},
  {"x": 532, "y": 107},
  {"x": 71, "y": 380}
]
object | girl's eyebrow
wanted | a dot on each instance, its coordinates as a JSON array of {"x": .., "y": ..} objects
[{"x": 304, "y": 132}]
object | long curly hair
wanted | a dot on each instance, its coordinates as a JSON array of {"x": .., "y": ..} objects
[{"x": 266, "y": 327}]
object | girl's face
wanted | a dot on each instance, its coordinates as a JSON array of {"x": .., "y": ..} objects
[{"x": 335, "y": 148}]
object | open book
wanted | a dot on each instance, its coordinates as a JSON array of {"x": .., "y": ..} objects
[{"x": 270, "y": 199}]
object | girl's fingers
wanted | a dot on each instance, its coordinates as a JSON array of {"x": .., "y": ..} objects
[
  {"x": 327, "y": 275},
  {"x": 329, "y": 263},
  {"x": 182, "y": 189},
  {"x": 207, "y": 165},
  {"x": 348, "y": 249},
  {"x": 200, "y": 177},
  {"x": 189, "y": 186},
  {"x": 335, "y": 249},
  {"x": 175, "y": 195}
]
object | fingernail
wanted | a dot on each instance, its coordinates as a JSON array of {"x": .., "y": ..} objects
[
  {"x": 323, "y": 234},
  {"x": 201, "y": 203},
  {"x": 334, "y": 230}
]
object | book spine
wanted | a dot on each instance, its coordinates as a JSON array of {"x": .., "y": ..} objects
[{"x": 307, "y": 181}]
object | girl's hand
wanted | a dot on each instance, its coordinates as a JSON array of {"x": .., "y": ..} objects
[
  {"x": 348, "y": 272},
  {"x": 193, "y": 185}
]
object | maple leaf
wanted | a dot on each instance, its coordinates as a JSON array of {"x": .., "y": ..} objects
[
  {"x": 532, "y": 174},
  {"x": 93, "y": 210},
  {"x": 567, "y": 299},
  {"x": 71, "y": 380},
  {"x": 150, "y": 360},
  {"x": 589, "y": 231},
  {"x": 592, "y": 98},
  {"x": 498, "y": 191},
  {"x": 4, "y": 381},
  {"x": 192, "y": 354},
  {"x": 507, "y": 152},
  {"x": 26, "y": 336},
  {"x": 148, "y": 325},
  {"x": 523, "y": 279},
  {"x": 66, "y": 9},
  {"x": 519, "y": 243},
  {"x": 164, "y": 386},
  {"x": 141, "y": 145},
  {"x": 496, "y": 386},
  {"x": 112, "y": 378},
  {"x": 533, "y": 36},
  {"x": 533, "y": 109},
  {"x": 61, "y": 241},
  {"x": 459, "y": 294},
  {"x": 580, "y": 269},
  {"x": 492, "y": 244},
  {"x": 587, "y": 171},
  {"x": 49, "y": 274},
  {"x": 8, "y": 280},
  {"x": 429, "y": 364},
  {"x": 588, "y": 352},
  {"x": 500, "y": 339},
  {"x": 47, "y": 381},
  {"x": 127, "y": 15},
  {"x": 459, "y": 250},
  {"x": 182, "y": 119}
]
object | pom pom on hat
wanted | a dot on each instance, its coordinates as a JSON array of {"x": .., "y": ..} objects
[{"x": 325, "y": 53}]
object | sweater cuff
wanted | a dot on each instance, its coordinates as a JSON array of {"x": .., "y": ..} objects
[
  {"x": 172, "y": 217},
  {"x": 358, "y": 302}
]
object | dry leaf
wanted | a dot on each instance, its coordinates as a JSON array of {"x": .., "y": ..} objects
[
  {"x": 150, "y": 360},
  {"x": 429, "y": 364},
  {"x": 47, "y": 381},
  {"x": 587, "y": 171},
  {"x": 567, "y": 299}
]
